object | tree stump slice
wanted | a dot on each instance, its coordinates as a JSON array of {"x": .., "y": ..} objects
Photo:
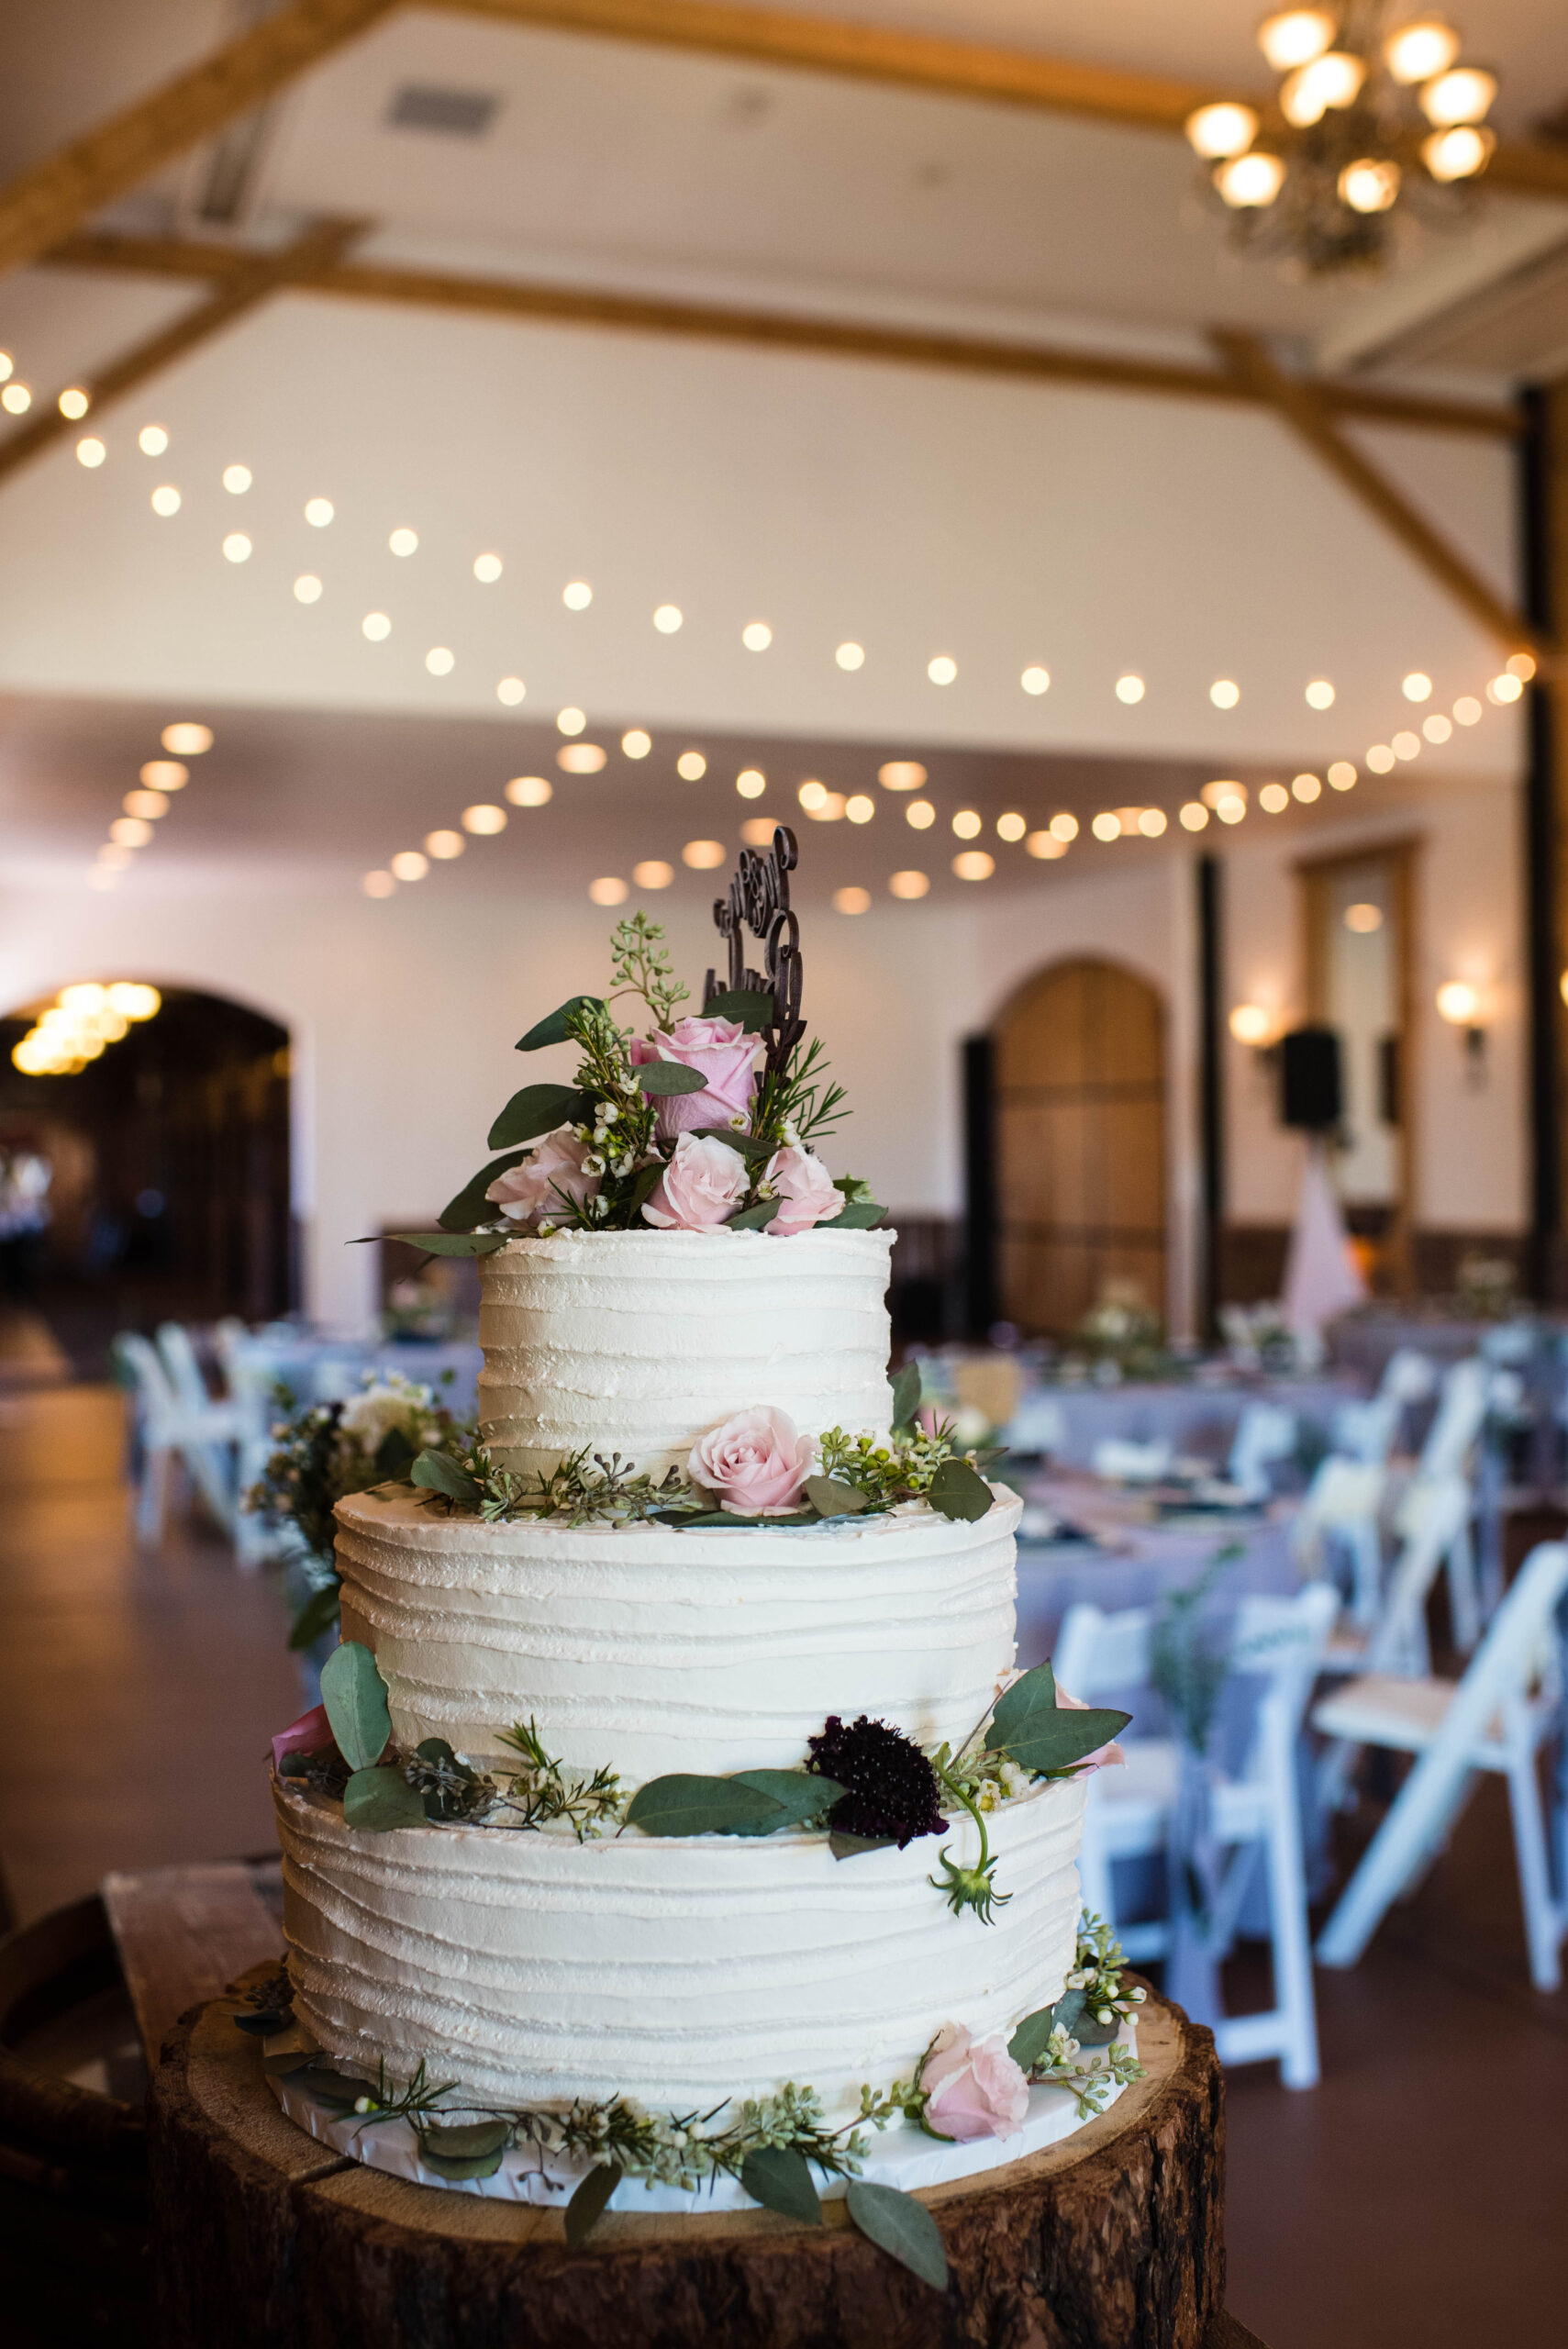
[{"x": 264, "y": 2239}]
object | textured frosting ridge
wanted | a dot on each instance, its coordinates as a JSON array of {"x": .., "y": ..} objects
[
  {"x": 682, "y": 1972},
  {"x": 650, "y": 1650},
  {"x": 640, "y": 1341}
]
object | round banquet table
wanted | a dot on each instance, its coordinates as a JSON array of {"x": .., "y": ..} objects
[
  {"x": 1111, "y": 2239},
  {"x": 1196, "y": 1418}
]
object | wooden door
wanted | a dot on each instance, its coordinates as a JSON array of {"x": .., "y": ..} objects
[{"x": 1080, "y": 1127}]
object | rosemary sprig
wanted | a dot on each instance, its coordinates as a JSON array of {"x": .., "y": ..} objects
[{"x": 542, "y": 1791}]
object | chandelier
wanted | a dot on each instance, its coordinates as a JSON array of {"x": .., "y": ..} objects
[{"x": 1365, "y": 120}]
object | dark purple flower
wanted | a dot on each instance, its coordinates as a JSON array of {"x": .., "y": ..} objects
[{"x": 890, "y": 1788}]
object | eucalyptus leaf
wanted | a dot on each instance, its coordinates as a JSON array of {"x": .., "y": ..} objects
[
  {"x": 646, "y": 1183},
  {"x": 471, "y": 1206},
  {"x": 259, "y": 2022},
  {"x": 906, "y": 1395},
  {"x": 751, "y": 1146},
  {"x": 394, "y": 1454},
  {"x": 473, "y": 2149},
  {"x": 779, "y": 2179},
  {"x": 1034, "y": 1692},
  {"x": 553, "y": 1030},
  {"x": 375, "y": 1801},
  {"x": 1056, "y": 1741},
  {"x": 587, "y": 2206},
  {"x": 455, "y": 2172},
  {"x": 902, "y": 2227},
  {"x": 537, "y": 1109},
  {"x": 288, "y": 2048},
  {"x": 314, "y": 1618},
  {"x": 1090, "y": 2033},
  {"x": 831, "y": 1498},
  {"x": 753, "y": 1009},
  {"x": 436, "y": 1471},
  {"x": 662, "y": 1077},
  {"x": 449, "y": 1244},
  {"x": 685, "y": 1804},
  {"x": 725, "y": 1516},
  {"x": 753, "y": 1218},
  {"x": 958, "y": 1491},
  {"x": 1029, "y": 2042},
  {"x": 858, "y": 1215},
  {"x": 802, "y": 1795},
  {"x": 1064, "y": 2014},
  {"x": 355, "y": 1697},
  {"x": 332, "y": 2087},
  {"x": 850, "y": 1847}
]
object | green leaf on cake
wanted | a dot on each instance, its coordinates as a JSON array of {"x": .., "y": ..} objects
[
  {"x": 1032, "y": 1729},
  {"x": 393, "y": 1455},
  {"x": 860, "y": 1215},
  {"x": 779, "y": 2179},
  {"x": 376, "y": 1801},
  {"x": 552, "y": 1030},
  {"x": 314, "y": 1618},
  {"x": 449, "y": 1244},
  {"x": 355, "y": 1697},
  {"x": 339, "y": 2089},
  {"x": 849, "y": 1847},
  {"x": 750, "y": 1146},
  {"x": 828, "y": 1498},
  {"x": 435, "y": 1472},
  {"x": 587, "y": 2206},
  {"x": 683, "y": 1803},
  {"x": 1032, "y": 1692},
  {"x": 1029, "y": 2043},
  {"x": 802, "y": 1796},
  {"x": 469, "y": 2149},
  {"x": 753, "y": 1009},
  {"x": 537, "y": 1109},
  {"x": 906, "y": 1395},
  {"x": 957, "y": 1491},
  {"x": 662, "y": 1077},
  {"x": 902, "y": 2227},
  {"x": 727, "y": 1517},
  {"x": 753, "y": 1218},
  {"x": 471, "y": 1206}
]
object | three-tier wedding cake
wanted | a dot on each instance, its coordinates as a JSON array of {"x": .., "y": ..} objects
[{"x": 674, "y": 1757}]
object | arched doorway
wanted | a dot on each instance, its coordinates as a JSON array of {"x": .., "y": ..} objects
[
  {"x": 167, "y": 1160},
  {"x": 1080, "y": 1143}
]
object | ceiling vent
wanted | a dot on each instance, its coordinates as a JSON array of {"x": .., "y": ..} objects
[{"x": 456, "y": 114}]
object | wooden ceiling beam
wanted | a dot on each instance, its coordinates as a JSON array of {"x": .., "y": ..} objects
[
  {"x": 47, "y": 203},
  {"x": 238, "y": 293},
  {"x": 572, "y": 305},
  {"x": 1299, "y": 404},
  {"x": 925, "y": 61}
]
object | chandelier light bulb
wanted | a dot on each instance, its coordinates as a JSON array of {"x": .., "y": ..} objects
[
  {"x": 1460, "y": 153},
  {"x": 1463, "y": 96},
  {"x": 1417, "y": 50},
  {"x": 1296, "y": 36},
  {"x": 1221, "y": 129},
  {"x": 1369, "y": 186},
  {"x": 1250, "y": 182},
  {"x": 1331, "y": 80}
]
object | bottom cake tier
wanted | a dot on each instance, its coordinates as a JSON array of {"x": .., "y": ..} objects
[{"x": 677, "y": 1971}]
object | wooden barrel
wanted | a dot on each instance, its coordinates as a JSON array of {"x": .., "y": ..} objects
[
  {"x": 262, "y": 2237},
  {"x": 73, "y": 2161}
]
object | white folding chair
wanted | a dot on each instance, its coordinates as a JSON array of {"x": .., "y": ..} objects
[
  {"x": 1256, "y": 1813},
  {"x": 1365, "y": 1431},
  {"x": 170, "y": 1428},
  {"x": 1265, "y": 1432},
  {"x": 1342, "y": 1509},
  {"x": 1122, "y": 1461},
  {"x": 248, "y": 1377},
  {"x": 1509, "y": 1703}
]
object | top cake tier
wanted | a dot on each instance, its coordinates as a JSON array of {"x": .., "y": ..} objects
[{"x": 640, "y": 1341}]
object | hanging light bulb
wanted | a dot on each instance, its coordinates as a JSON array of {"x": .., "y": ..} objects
[
  {"x": 1414, "y": 52},
  {"x": 1369, "y": 186},
  {"x": 1460, "y": 153},
  {"x": 1464, "y": 94},
  {"x": 1296, "y": 36},
  {"x": 1221, "y": 129},
  {"x": 1249, "y": 181}
]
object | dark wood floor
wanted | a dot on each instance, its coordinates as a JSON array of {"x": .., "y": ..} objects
[{"x": 1416, "y": 2201}]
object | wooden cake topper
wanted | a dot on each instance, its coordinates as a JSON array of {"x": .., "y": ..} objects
[{"x": 759, "y": 902}]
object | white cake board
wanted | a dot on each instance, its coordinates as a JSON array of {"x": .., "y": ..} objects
[{"x": 900, "y": 2156}]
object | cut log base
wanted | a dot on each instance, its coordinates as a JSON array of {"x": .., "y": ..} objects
[{"x": 264, "y": 2239}]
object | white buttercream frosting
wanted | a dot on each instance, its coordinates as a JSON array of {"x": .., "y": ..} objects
[
  {"x": 640, "y": 1341},
  {"x": 532, "y": 1968},
  {"x": 650, "y": 1649}
]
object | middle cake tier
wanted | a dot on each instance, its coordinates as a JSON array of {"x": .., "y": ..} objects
[{"x": 646, "y": 1649}]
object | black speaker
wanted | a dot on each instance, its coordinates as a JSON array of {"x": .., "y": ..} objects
[{"x": 1311, "y": 1094}]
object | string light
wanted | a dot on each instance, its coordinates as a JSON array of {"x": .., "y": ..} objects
[
  {"x": 1341, "y": 776},
  {"x": 668, "y": 619},
  {"x": 920, "y": 813},
  {"x": 237, "y": 547},
  {"x": 1045, "y": 845},
  {"x": 653, "y": 875},
  {"x": 1520, "y": 666},
  {"x": 608, "y": 891},
  {"x": 901, "y": 774},
  {"x": 1467, "y": 710},
  {"x": 1306, "y": 788},
  {"x": 16, "y": 400},
  {"x": 530, "y": 791},
  {"x": 1273, "y": 799},
  {"x": 758, "y": 832},
  {"x": 1320, "y": 694},
  {"x": 1416, "y": 686},
  {"x": 1036, "y": 680},
  {"x": 1063, "y": 827},
  {"x": 850, "y": 656},
  {"x": 636, "y": 743},
  {"x": 812, "y": 794},
  {"x": 704, "y": 856},
  {"x": 1129, "y": 689},
  {"x": 1437, "y": 729},
  {"x": 570, "y": 721},
  {"x": 967, "y": 824},
  {"x": 376, "y": 626},
  {"x": 307, "y": 588},
  {"x": 487, "y": 568},
  {"x": 75, "y": 402},
  {"x": 1107, "y": 827},
  {"x": 409, "y": 866},
  {"x": 756, "y": 636},
  {"x": 691, "y": 766},
  {"x": 440, "y": 660},
  {"x": 974, "y": 865},
  {"x": 1011, "y": 827},
  {"x": 403, "y": 542},
  {"x": 1225, "y": 693},
  {"x": 484, "y": 821},
  {"x": 577, "y": 596},
  {"x": 7, "y": 366},
  {"x": 318, "y": 512},
  {"x": 908, "y": 884},
  {"x": 148, "y": 804},
  {"x": 1152, "y": 822},
  {"x": 1193, "y": 817},
  {"x": 751, "y": 783},
  {"x": 130, "y": 832},
  {"x": 1406, "y": 745},
  {"x": 152, "y": 440},
  {"x": 236, "y": 479},
  {"x": 851, "y": 901},
  {"x": 187, "y": 738},
  {"x": 165, "y": 500},
  {"x": 942, "y": 670},
  {"x": 1380, "y": 758},
  {"x": 1505, "y": 688},
  {"x": 859, "y": 810},
  {"x": 164, "y": 774},
  {"x": 581, "y": 758},
  {"x": 91, "y": 453},
  {"x": 829, "y": 809},
  {"x": 378, "y": 885},
  {"x": 510, "y": 692}
]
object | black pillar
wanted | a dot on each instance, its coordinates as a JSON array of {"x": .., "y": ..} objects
[
  {"x": 1542, "y": 937},
  {"x": 979, "y": 1185},
  {"x": 1211, "y": 1095}
]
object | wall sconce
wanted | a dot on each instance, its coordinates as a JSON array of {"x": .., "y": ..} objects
[
  {"x": 1460, "y": 1003},
  {"x": 1251, "y": 1024}
]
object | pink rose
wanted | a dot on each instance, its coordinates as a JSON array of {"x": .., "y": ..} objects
[
  {"x": 805, "y": 1191},
  {"x": 529, "y": 1192},
  {"x": 1102, "y": 1753},
  {"x": 720, "y": 1051},
  {"x": 700, "y": 1188},
  {"x": 758, "y": 1460},
  {"x": 312, "y": 1734},
  {"x": 972, "y": 2090}
]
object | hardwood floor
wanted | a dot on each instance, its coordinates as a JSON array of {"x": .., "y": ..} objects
[{"x": 1414, "y": 2200}]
